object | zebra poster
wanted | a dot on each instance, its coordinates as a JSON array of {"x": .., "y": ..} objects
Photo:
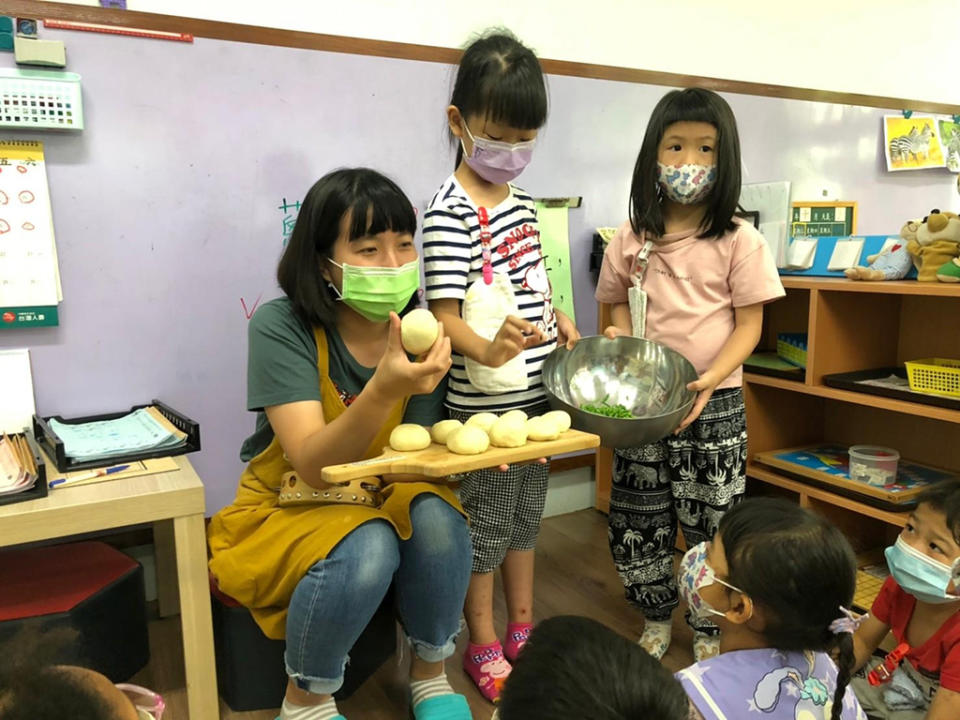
[
  {"x": 950, "y": 140},
  {"x": 911, "y": 143}
]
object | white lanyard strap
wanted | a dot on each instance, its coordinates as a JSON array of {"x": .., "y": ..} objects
[{"x": 640, "y": 264}]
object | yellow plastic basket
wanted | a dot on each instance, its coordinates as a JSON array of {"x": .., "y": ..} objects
[
  {"x": 792, "y": 347},
  {"x": 937, "y": 376}
]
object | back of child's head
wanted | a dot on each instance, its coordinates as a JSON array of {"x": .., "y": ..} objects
[
  {"x": 575, "y": 667},
  {"x": 799, "y": 570},
  {"x": 500, "y": 79},
  {"x": 33, "y": 687},
  {"x": 944, "y": 497},
  {"x": 690, "y": 105}
]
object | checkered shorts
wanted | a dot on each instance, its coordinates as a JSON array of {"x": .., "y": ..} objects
[{"x": 505, "y": 508}]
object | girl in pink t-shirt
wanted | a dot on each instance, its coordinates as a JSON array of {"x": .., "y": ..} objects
[{"x": 705, "y": 275}]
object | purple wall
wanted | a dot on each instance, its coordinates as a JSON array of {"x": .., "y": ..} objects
[{"x": 165, "y": 207}]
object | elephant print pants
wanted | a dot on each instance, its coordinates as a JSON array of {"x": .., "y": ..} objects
[{"x": 693, "y": 478}]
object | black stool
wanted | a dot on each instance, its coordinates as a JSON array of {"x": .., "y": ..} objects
[
  {"x": 88, "y": 587},
  {"x": 251, "y": 672}
]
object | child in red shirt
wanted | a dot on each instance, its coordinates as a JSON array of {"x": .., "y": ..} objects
[{"x": 920, "y": 606}]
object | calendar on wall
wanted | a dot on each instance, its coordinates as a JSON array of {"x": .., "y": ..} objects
[{"x": 30, "y": 287}]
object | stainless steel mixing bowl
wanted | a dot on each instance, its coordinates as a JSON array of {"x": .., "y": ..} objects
[{"x": 647, "y": 378}]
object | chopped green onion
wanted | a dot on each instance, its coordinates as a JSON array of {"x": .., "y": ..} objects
[{"x": 604, "y": 408}]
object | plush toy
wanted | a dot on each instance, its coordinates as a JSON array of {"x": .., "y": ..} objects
[
  {"x": 950, "y": 272},
  {"x": 892, "y": 264},
  {"x": 937, "y": 244}
]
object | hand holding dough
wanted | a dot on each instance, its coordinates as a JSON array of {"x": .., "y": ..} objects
[
  {"x": 418, "y": 331},
  {"x": 407, "y": 437},
  {"x": 541, "y": 429},
  {"x": 468, "y": 440},
  {"x": 561, "y": 418},
  {"x": 509, "y": 432},
  {"x": 441, "y": 431},
  {"x": 484, "y": 421}
]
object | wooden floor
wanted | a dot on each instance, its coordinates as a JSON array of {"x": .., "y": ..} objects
[{"x": 574, "y": 576}]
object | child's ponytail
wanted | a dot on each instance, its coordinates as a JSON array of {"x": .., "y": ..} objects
[{"x": 845, "y": 660}]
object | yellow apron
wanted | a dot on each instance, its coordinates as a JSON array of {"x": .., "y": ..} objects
[{"x": 259, "y": 551}]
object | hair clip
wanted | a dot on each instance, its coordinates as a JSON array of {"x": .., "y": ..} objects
[{"x": 848, "y": 623}]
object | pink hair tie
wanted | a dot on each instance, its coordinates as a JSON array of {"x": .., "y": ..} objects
[{"x": 850, "y": 622}]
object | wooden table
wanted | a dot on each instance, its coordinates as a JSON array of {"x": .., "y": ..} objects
[{"x": 174, "y": 503}]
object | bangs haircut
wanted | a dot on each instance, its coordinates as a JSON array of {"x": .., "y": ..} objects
[
  {"x": 500, "y": 79},
  {"x": 690, "y": 105},
  {"x": 944, "y": 497},
  {"x": 376, "y": 209},
  {"x": 375, "y": 204}
]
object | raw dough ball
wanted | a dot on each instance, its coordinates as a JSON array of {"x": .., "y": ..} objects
[
  {"x": 440, "y": 432},
  {"x": 561, "y": 418},
  {"x": 418, "y": 331},
  {"x": 515, "y": 415},
  {"x": 509, "y": 432},
  {"x": 408, "y": 437},
  {"x": 468, "y": 440},
  {"x": 540, "y": 428},
  {"x": 484, "y": 421}
]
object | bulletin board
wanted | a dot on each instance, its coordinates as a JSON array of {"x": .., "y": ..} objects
[
  {"x": 823, "y": 219},
  {"x": 173, "y": 204}
]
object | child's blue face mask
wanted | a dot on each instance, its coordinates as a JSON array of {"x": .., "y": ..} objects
[{"x": 920, "y": 575}]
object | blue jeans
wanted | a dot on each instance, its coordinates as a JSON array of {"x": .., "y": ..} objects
[{"x": 335, "y": 600}]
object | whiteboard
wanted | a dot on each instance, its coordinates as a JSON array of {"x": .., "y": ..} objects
[{"x": 167, "y": 205}]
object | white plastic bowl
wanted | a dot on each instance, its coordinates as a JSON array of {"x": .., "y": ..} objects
[{"x": 874, "y": 465}]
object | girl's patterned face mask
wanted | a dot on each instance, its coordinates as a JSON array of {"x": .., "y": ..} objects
[
  {"x": 687, "y": 184},
  {"x": 695, "y": 575}
]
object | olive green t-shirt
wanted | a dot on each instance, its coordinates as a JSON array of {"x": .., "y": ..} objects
[{"x": 282, "y": 368}]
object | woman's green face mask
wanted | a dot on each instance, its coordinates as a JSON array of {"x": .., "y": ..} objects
[{"x": 376, "y": 291}]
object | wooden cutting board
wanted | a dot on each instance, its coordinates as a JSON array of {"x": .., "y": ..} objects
[{"x": 436, "y": 461}]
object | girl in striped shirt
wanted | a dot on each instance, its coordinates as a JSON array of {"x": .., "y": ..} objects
[{"x": 487, "y": 282}]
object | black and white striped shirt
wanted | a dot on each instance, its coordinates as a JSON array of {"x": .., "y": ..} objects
[{"x": 453, "y": 261}]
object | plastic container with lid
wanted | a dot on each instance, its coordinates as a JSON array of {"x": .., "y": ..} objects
[{"x": 873, "y": 465}]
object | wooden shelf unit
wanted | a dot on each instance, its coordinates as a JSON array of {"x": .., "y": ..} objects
[
  {"x": 850, "y": 326},
  {"x": 853, "y": 326}
]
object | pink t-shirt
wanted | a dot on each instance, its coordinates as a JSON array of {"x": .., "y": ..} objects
[{"x": 693, "y": 285}]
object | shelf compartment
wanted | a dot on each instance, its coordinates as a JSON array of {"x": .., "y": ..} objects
[
  {"x": 899, "y": 287},
  {"x": 809, "y": 494},
  {"x": 857, "y": 398}
]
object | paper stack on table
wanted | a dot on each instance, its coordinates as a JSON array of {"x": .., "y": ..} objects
[
  {"x": 143, "y": 430},
  {"x": 18, "y": 471}
]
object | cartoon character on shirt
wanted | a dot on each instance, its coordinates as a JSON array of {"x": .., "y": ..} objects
[
  {"x": 535, "y": 280},
  {"x": 814, "y": 701}
]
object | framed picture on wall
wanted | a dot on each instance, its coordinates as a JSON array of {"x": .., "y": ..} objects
[{"x": 912, "y": 143}]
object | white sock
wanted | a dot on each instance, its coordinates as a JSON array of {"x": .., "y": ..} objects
[
  {"x": 421, "y": 690},
  {"x": 324, "y": 711}
]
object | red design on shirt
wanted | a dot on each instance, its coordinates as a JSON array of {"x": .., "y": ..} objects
[
  {"x": 938, "y": 657},
  {"x": 345, "y": 397},
  {"x": 509, "y": 247}
]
